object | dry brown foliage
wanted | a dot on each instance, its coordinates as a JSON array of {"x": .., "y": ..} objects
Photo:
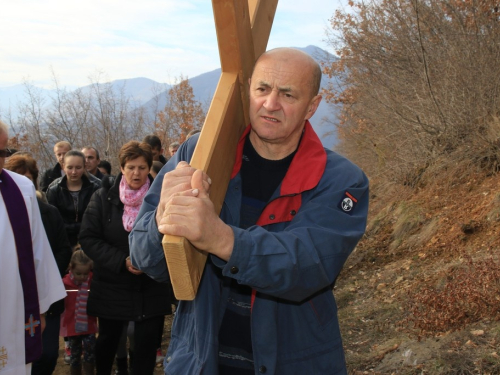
[
  {"x": 467, "y": 293},
  {"x": 182, "y": 114},
  {"x": 419, "y": 83}
]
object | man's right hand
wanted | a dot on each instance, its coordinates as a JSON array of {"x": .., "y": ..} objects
[{"x": 177, "y": 181}]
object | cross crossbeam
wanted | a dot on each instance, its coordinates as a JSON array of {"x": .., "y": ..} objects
[{"x": 243, "y": 28}]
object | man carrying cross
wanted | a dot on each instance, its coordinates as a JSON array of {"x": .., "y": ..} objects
[
  {"x": 29, "y": 278},
  {"x": 292, "y": 214}
]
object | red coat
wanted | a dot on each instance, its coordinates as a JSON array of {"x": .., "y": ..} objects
[{"x": 68, "y": 316}]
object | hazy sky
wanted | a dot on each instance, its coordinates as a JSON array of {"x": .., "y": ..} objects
[{"x": 157, "y": 39}]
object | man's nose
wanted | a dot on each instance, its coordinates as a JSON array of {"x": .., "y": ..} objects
[{"x": 272, "y": 101}]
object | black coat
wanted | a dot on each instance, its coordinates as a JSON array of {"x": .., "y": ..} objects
[
  {"x": 98, "y": 174},
  {"x": 116, "y": 293},
  {"x": 59, "y": 196},
  {"x": 54, "y": 227},
  {"x": 49, "y": 176}
]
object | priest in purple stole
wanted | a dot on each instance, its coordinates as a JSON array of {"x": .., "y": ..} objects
[{"x": 29, "y": 278}]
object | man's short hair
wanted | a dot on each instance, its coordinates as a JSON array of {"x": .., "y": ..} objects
[
  {"x": 65, "y": 144},
  {"x": 106, "y": 165},
  {"x": 92, "y": 148},
  {"x": 153, "y": 140},
  {"x": 316, "y": 81},
  {"x": 316, "y": 68},
  {"x": 157, "y": 166},
  {"x": 174, "y": 145}
]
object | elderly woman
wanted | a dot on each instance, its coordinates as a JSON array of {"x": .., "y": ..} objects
[
  {"x": 71, "y": 194},
  {"x": 121, "y": 293},
  {"x": 23, "y": 163}
]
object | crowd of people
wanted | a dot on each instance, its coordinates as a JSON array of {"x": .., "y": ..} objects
[
  {"x": 292, "y": 214},
  {"x": 87, "y": 214}
]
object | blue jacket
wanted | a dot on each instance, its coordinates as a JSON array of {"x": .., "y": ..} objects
[{"x": 291, "y": 260}]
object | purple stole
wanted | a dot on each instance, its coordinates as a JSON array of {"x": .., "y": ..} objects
[{"x": 19, "y": 220}]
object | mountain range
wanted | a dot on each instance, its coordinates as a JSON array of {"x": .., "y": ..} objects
[{"x": 152, "y": 96}]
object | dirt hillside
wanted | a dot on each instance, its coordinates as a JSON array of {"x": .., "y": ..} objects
[{"x": 421, "y": 293}]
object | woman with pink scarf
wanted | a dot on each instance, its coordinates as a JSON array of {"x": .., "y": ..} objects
[{"x": 121, "y": 293}]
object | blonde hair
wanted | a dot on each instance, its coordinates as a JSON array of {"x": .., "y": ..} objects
[
  {"x": 79, "y": 257},
  {"x": 64, "y": 144}
]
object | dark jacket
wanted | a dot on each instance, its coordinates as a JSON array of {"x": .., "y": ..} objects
[
  {"x": 291, "y": 259},
  {"x": 54, "y": 227},
  {"x": 59, "y": 196},
  {"x": 116, "y": 293},
  {"x": 49, "y": 176},
  {"x": 163, "y": 159},
  {"x": 98, "y": 174}
]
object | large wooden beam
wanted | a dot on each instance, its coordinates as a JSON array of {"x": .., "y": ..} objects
[{"x": 243, "y": 28}]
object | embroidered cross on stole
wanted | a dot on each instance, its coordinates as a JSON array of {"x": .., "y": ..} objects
[{"x": 19, "y": 221}]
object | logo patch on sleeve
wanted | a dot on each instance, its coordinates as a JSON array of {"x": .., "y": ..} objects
[{"x": 348, "y": 203}]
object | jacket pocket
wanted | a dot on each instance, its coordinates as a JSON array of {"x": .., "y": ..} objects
[{"x": 323, "y": 308}]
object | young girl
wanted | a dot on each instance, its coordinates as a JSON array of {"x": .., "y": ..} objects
[{"x": 75, "y": 323}]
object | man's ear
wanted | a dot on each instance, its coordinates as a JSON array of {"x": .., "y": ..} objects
[{"x": 313, "y": 106}]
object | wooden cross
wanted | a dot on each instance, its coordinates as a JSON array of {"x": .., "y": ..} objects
[{"x": 243, "y": 28}]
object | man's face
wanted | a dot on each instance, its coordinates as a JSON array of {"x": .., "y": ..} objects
[
  {"x": 59, "y": 152},
  {"x": 280, "y": 102},
  {"x": 91, "y": 160},
  {"x": 3, "y": 145},
  {"x": 156, "y": 153},
  {"x": 173, "y": 150}
]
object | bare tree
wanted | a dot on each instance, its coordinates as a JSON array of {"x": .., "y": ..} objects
[
  {"x": 94, "y": 115},
  {"x": 419, "y": 83}
]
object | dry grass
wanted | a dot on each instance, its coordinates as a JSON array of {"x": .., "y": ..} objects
[{"x": 420, "y": 294}]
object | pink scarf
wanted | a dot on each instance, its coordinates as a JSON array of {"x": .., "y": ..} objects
[{"x": 132, "y": 200}]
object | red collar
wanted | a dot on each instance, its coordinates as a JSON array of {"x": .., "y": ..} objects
[{"x": 306, "y": 168}]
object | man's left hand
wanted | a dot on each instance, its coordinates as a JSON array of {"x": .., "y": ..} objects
[{"x": 191, "y": 214}]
